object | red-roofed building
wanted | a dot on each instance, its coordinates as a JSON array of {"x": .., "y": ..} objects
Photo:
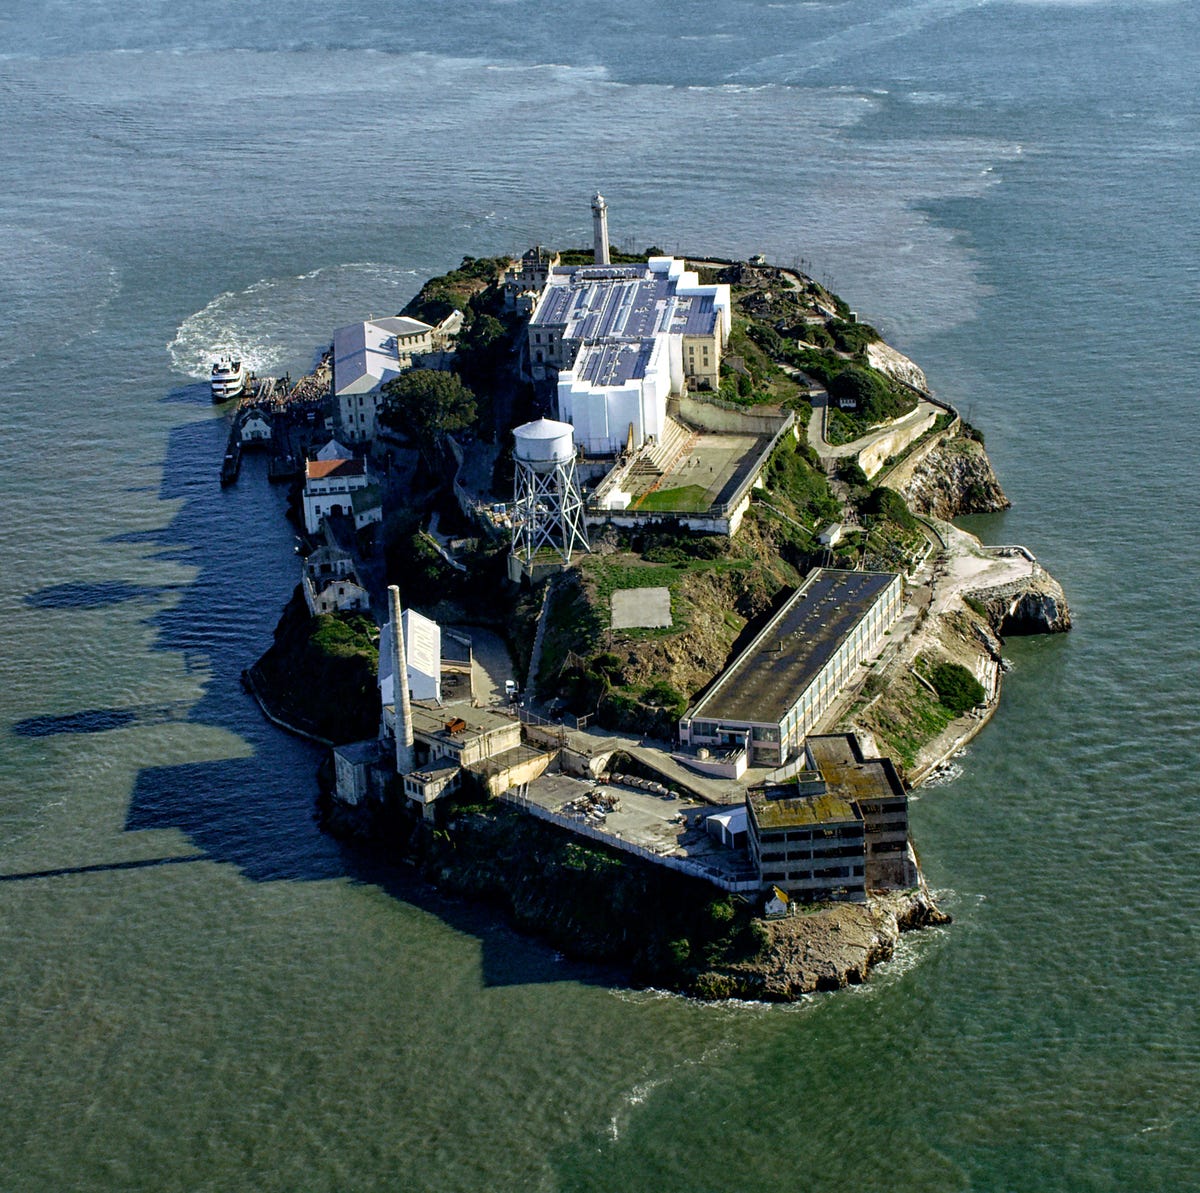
[{"x": 330, "y": 488}]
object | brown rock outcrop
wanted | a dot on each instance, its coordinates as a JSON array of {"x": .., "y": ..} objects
[
  {"x": 827, "y": 948},
  {"x": 1034, "y": 606},
  {"x": 954, "y": 478}
]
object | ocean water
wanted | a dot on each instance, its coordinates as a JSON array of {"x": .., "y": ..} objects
[{"x": 200, "y": 991}]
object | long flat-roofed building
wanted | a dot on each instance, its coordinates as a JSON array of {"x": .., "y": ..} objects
[
  {"x": 620, "y": 339},
  {"x": 772, "y": 695}
]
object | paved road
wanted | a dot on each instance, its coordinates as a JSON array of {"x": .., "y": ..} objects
[
  {"x": 816, "y": 428},
  {"x": 492, "y": 664}
]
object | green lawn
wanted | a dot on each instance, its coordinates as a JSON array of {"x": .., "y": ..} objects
[{"x": 687, "y": 499}]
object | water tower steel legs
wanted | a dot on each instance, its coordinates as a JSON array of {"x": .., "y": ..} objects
[{"x": 548, "y": 513}]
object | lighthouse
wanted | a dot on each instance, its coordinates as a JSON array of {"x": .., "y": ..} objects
[{"x": 600, "y": 230}]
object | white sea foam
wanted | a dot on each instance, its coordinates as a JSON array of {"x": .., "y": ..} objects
[{"x": 277, "y": 321}]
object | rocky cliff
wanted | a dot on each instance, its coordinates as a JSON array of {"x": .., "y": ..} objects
[
  {"x": 886, "y": 359},
  {"x": 1033, "y": 606},
  {"x": 825, "y": 948},
  {"x": 952, "y": 479}
]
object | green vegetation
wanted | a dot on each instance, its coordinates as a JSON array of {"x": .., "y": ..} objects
[
  {"x": 615, "y": 256},
  {"x": 877, "y": 397},
  {"x": 956, "y": 687},
  {"x": 794, "y": 480},
  {"x": 319, "y": 673},
  {"x": 686, "y": 499},
  {"x": 424, "y": 403},
  {"x": 905, "y": 718},
  {"x": 852, "y": 337},
  {"x": 453, "y": 291},
  {"x": 887, "y": 504},
  {"x": 850, "y": 471}
]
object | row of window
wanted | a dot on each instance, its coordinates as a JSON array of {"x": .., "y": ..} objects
[{"x": 810, "y": 875}]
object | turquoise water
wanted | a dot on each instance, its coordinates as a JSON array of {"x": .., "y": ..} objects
[{"x": 198, "y": 989}]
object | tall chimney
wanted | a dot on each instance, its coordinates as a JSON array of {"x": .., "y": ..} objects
[
  {"x": 599, "y": 230},
  {"x": 404, "y": 733}
]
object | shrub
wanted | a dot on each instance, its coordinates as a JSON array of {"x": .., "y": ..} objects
[
  {"x": 851, "y": 472},
  {"x": 888, "y": 504},
  {"x": 956, "y": 687}
]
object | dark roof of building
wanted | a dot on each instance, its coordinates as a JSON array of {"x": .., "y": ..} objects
[
  {"x": 802, "y": 812},
  {"x": 843, "y": 767},
  {"x": 768, "y": 677}
]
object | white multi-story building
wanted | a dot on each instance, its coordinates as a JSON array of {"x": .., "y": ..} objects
[
  {"x": 334, "y": 487},
  {"x": 620, "y": 339}
]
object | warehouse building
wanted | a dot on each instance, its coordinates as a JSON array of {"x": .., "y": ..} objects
[{"x": 770, "y": 698}]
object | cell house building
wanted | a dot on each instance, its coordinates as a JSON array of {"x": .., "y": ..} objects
[
  {"x": 773, "y": 694},
  {"x": 620, "y": 340}
]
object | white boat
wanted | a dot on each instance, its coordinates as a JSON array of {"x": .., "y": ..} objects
[{"x": 228, "y": 379}]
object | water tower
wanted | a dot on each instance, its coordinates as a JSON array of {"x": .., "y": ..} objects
[{"x": 548, "y": 510}]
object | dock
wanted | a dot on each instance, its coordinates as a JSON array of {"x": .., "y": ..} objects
[{"x": 298, "y": 415}]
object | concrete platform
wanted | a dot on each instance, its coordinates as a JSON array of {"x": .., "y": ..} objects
[
  {"x": 641, "y": 608},
  {"x": 708, "y": 473},
  {"x": 661, "y": 825}
]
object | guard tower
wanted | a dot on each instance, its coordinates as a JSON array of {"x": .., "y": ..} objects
[
  {"x": 600, "y": 230},
  {"x": 548, "y": 509}
]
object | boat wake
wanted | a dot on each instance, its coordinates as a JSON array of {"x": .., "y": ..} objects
[{"x": 275, "y": 323}]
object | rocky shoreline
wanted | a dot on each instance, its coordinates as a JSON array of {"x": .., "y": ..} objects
[{"x": 824, "y": 948}]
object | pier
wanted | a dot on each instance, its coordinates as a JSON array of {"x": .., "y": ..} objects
[{"x": 289, "y": 419}]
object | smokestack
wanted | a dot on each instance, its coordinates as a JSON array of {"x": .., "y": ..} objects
[{"x": 404, "y": 733}]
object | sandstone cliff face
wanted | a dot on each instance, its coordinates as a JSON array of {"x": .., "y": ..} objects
[
  {"x": 1034, "y": 606},
  {"x": 955, "y": 478},
  {"x": 886, "y": 359}
]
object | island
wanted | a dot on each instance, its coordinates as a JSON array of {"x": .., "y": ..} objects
[{"x": 631, "y": 602}]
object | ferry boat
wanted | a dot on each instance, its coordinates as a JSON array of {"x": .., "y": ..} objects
[{"x": 228, "y": 379}]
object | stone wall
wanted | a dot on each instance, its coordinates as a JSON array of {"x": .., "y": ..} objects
[{"x": 871, "y": 459}]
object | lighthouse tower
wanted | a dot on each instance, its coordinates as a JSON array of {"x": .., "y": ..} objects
[{"x": 600, "y": 230}]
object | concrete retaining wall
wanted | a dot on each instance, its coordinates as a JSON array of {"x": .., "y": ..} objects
[
  {"x": 871, "y": 459},
  {"x": 727, "y": 420}
]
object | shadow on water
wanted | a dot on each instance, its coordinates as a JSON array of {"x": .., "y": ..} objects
[
  {"x": 81, "y": 595},
  {"x": 90, "y": 720},
  {"x": 256, "y": 812}
]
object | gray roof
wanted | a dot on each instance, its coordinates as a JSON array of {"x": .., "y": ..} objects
[
  {"x": 613, "y": 363},
  {"x": 367, "y": 354},
  {"x": 625, "y": 302},
  {"x": 770, "y": 675}
]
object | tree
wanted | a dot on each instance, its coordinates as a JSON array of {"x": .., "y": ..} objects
[{"x": 423, "y": 403}]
